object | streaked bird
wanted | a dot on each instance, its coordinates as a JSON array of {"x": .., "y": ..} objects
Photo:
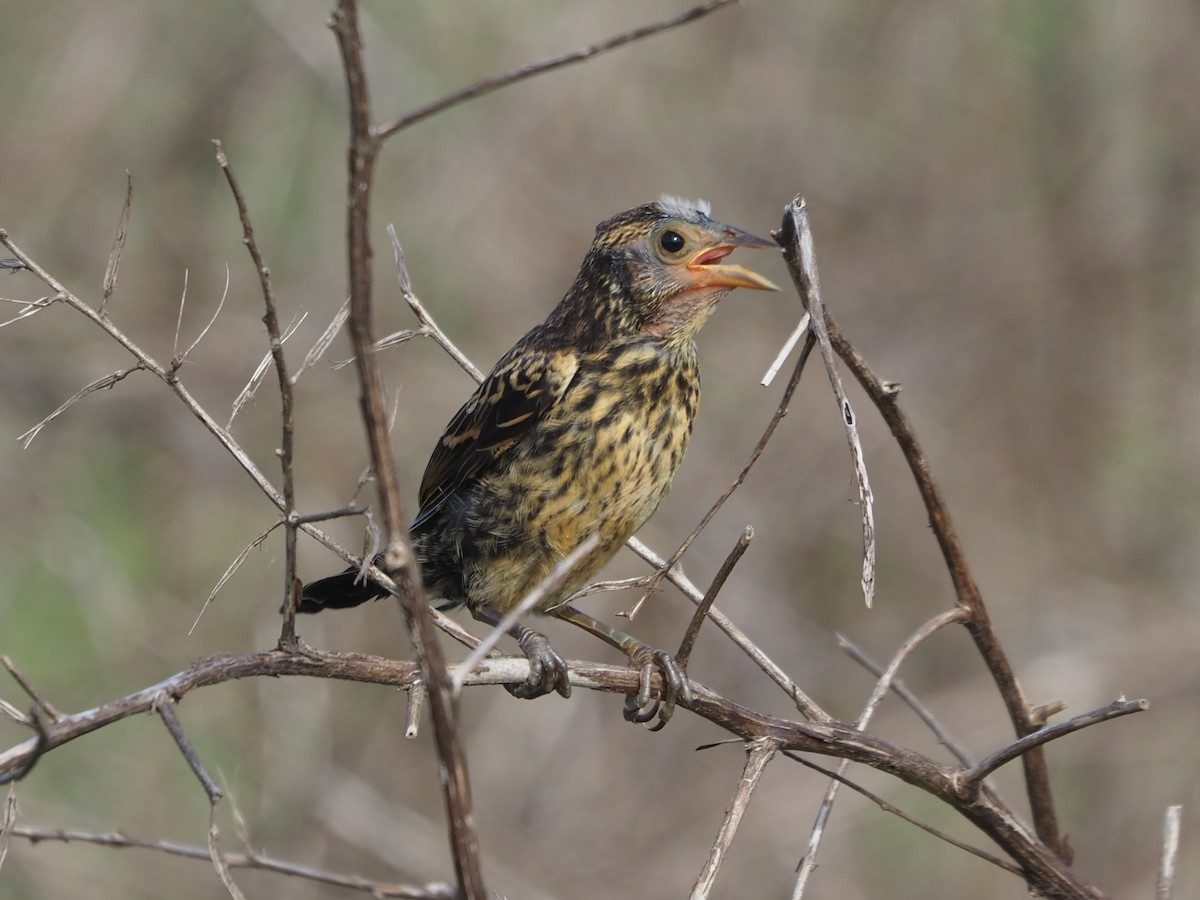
[{"x": 577, "y": 431}]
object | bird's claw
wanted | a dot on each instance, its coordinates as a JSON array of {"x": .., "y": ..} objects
[
  {"x": 547, "y": 670},
  {"x": 641, "y": 707}
]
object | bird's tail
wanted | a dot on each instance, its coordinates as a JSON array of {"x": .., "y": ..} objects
[{"x": 340, "y": 591}]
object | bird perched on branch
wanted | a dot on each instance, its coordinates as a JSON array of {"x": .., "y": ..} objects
[{"x": 577, "y": 431}]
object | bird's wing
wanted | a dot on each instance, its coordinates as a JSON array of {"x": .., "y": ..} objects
[{"x": 505, "y": 407}]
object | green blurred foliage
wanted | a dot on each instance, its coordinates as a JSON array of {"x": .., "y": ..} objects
[{"x": 1006, "y": 199}]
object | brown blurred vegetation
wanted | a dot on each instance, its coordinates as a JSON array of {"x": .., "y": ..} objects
[{"x": 1006, "y": 199}]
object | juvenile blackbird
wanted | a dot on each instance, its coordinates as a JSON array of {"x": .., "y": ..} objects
[{"x": 578, "y": 430}]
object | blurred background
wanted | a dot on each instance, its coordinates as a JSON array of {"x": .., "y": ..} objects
[{"x": 1006, "y": 203}]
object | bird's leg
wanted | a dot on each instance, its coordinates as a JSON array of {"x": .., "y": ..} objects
[
  {"x": 638, "y": 707},
  {"x": 547, "y": 670}
]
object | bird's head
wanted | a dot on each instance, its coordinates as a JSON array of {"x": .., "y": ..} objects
[{"x": 660, "y": 269}]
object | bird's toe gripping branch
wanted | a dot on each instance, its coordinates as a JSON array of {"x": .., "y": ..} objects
[
  {"x": 547, "y": 670},
  {"x": 642, "y": 707}
]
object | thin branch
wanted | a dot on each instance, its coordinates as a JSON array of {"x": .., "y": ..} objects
[
  {"x": 291, "y": 584},
  {"x": 178, "y": 360},
  {"x": 416, "y": 695},
  {"x": 945, "y": 738},
  {"x": 231, "y": 569},
  {"x": 398, "y": 560},
  {"x": 29, "y": 308},
  {"x": 786, "y": 350},
  {"x": 323, "y": 342},
  {"x": 1120, "y": 707},
  {"x": 809, "y": 861},
  {"x": 428, "y": 325},
  {"x": 256, "y": 377},
  {"x": 100, "y": 384},
  {"x": 758, "y": 754},
  {"x": 217, "y": 857},
  {"x": 40, "y": 702},
  {"x": 896, "y": 811},
  {"x": 710, "y": 596},
  {"x": 978, "y": 624},
  {"x": 487, "y": 85},
  {"x": 250, "y": 860},
  {"x": 165, "y": 707},
  {"x": 114, "y": 258},
  {"x": 543, "y": 589},
  {"x": 795, "y": 236},
  {"x": 8, "y": 822},
  {"x": 1165, "y": 885}
]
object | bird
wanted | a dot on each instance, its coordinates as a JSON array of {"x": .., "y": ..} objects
[{"x": 577, "y": 431}]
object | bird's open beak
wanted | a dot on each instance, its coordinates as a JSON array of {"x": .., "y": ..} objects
[{"x": 708, "y": 270}]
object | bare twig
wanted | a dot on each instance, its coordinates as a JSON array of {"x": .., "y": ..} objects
[
  {"x": 8, "y": 822},
  {"x": 710, "y": 596},
  {"x": 1120, "y": 707},
  {"x": 758, "y": 754},
  {"x": 100, "y": 384},
  {"x": 896, "y": 811},
  {"x": 795, "y": 236},
  {"x": 543, "y": 589},
  {"x": 218, "y": 857},
  {"x": 256, "y": 377},
  {"x": 322, "y": 343},
  {"x": 291, "y": 584},
  {"x": 416, "y": 704},
  {"x": 809, "y": 861},
  {"x": 249, "y": 860},
  {"x": 428, "y": 325},
  {"x": 398, "y": 559},
  {"x": 1165, "y": 885},
  {"x": 165, "y": 707},
  {"x": 178, "y": 359},
  {"x": 29, "y": 308},
  {"x": 114, "y": 258},
  {"x": 7, "y": 709},
  {"x": 230, "y": 569},
  {"x": 786, "y": 349},
  {"x": 41, "y": 703},
  {"x": 487, "y": 85}
]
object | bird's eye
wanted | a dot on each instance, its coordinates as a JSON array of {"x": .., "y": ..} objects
[{"x": 671, "y": 241}]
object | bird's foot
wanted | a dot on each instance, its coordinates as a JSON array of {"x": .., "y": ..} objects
[
  {"x": 547, "y": 670},
  {"x": 641, "y": 707}
]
